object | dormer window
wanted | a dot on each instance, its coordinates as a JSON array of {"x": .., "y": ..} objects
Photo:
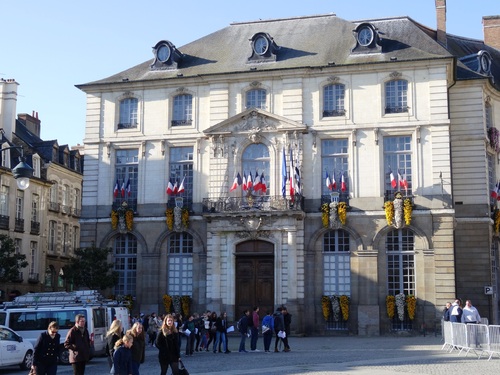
[
  {"x": 260, "y": 45},
  {"x": 484, "y": 62},
  {"x": 166, "y": 56},
  {"x": 367, "y": 39},
  {"x": 263, "y": 48},
  {"x": 365, "y": 35}
]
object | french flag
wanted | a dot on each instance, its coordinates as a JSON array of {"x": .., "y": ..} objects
[
  {"x": 116, "y": 189},
  {"x": 181, "y": 186},
  {"x": 328, "y": 182},
  {"x": 236, "y": 182},
  {"x": 244, "y": 183},
  {"x": 393, "y": 180},
  {"x": 249, "y": 181},
  {"x": 123, "y": 189},
  {"x": 343, "y": 186},
  {"x": 175, "y": 190},
  {"x": 334, "y": 182},
  {"x": 127, "y": 188},
  {"x": 170, "y": 188},
  {"x": 263, "y": 186}
]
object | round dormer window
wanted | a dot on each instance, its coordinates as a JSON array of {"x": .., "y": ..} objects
[
  {"x": 260, "y": 45},
  {"x": 163, "y": 53},
  {"x": 365, "y": 36},
  {"x": 485, "y": 63}
]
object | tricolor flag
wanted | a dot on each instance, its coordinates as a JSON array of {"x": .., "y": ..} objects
[
  {"x": 127, "y": 188},
  {"x": 170, "y": 188},
  {"x": 116, "y": 189},
  {"x": 283, "y": 173},
  {"x": 244, "y": 183},
  {"x": 494, "y": 193},
  {"x": 181, "y": 186},
  {"x": 263, "y": 186},
  {"x": 298, "y": 187},
  {"x": 400, "y": 180},
  {"x": 249, "y": 181},
  {"x": 393, "y": 180},
  {"x": 257, "y": 184},
  {"x": 175, "y": 189},
  {"x": 334, "y": 182},
  {"x": 498, "y": 190},
  {"x": 405, "y": 182},
  {"x": 236, "y": 182},
  {"x": 343, "y": 186},
  {"x": 328, "y": 182},
  {"x": 123, "y": 189},
  {"x": 291, "y": 175}
]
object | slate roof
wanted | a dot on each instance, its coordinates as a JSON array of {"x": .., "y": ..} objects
[{"x": 305, "y": 42}]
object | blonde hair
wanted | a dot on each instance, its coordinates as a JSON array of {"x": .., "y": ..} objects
[
  {"x": 134, "y": 332},
  {"x": 53, "y": 324},
  {"x": 165, "y": 328},
  {"x": 116, "y": 328},
  {"x": 124, "y": 339}
]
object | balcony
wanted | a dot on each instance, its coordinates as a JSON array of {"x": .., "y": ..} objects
[
  {"x": 19, "y": 226},
  {"x": 396, "y": 109},
  {"x": 33, "y": 278},
  {"x": 76, "y": 212},
  {"x": 65, "y": 209},
  {"x": 54, "y": 207},
  {"x": 35, "y": 227},
  {"x": 181, "y": 122},
  {"x": 4, "y": 222},
  {"x": 342, "y": 197},
  {"x": 249, "y": 203}
]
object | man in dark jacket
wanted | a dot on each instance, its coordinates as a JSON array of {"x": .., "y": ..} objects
[
  {"x": 279, "y": 326},
  {"x": 243, "y": 329},
  {"x": 287, "y": 318},
  {"x": 78, "y": 344}
]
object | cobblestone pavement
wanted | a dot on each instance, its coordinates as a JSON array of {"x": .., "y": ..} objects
[{"x": 321, "y": 356}]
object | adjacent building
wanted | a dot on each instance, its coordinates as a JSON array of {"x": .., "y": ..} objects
[{"x": 287, "y": 161}]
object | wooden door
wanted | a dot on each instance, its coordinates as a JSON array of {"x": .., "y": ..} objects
[{"x": 254, "y": 277}]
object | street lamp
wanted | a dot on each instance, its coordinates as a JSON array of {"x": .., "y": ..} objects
[{"x": 21, "y": 172}]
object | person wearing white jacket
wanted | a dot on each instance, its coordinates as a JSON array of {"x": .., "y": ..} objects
[{"x": 470, "y": 313}]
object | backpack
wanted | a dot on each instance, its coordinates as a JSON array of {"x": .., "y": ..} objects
[{"x": 239, "y": 323}]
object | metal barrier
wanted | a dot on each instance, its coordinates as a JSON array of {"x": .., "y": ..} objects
[{"x": 477, "y": 338}]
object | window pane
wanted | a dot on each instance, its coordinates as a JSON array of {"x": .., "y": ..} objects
[
  {"x": 256, "y": 99},
  {"x": 397, "y": 159},
  {"x": 333, "y": 100},
  {"x": 400, "y": 262},
  {"x": 256, "y": 161},
  {"x": 396, "y": 96},
  {"x": 125, "y": 260},
  {"x": 336, "y": 263},
  {"x": 181, "y": 169},
  {"x": 180, "y": 264},
  {"x": 183, "y": 110},
  {"x": 126, "y": 169},
  {"x": 334, "y": 155},
  {"x": 128, "y": 113}
]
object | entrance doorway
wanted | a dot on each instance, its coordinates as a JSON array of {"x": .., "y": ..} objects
[{"x": 254, "y": 277}]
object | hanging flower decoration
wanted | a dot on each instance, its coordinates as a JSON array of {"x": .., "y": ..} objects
[
  {"x": 129, "y": 219},
  {"x": 114, "y": 219},
  {"x": 170, "y": 218},
  {"x": 122, "y": 218},
  {"x": 325, "y": 307},
  {"x": 389, "y": 212},
  {"x": 325, "y": 213},
  {"x": 390, "y": 304},
  {"x": 177, "y": 304},
  {"x": 342, "y": 212},
  {"x": 335, "y": 307},
  {"x": 407, "y": 208},
  {"x": 493, "y": 136},
  {"x": 344, "y": 306},
  {"x": 411, "y": 305},
  {"x": 496, "y": 221},
  {"x": 400, "y": 305},
  {"x": 185, "y": 217},
  {"x": 186, "y": 304},
  {"x": 167, "y": 302}
]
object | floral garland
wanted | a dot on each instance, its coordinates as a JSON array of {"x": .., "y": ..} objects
[
  {"x": 335, "y": 307},
  {"x": 170, "y": 218},
  {"x": 325, "y": 307},
  {"x": 389, "y": 212},
  {"x": 494, "y": 136},
  {"x": 342, "y": 212},
  {"x": 177, "y": 304},
  {"x": 408, "y": 208},
  {"x": 114, "y": 219},
  {"x": 496, "y": 221},
  {"x": 325, "y": 213},
  {"x": 411, "y": 304},
  {"x": 167, "y": 302},
  {"x": 400, "y": 305},
  {"x": 344, "y": 306},
  {"x": 390, "y": 304},
  {"x": 122, "y": 218},
  {"x": 185, "y": 217},
  {"x": 129, "y": 219},
  {"x": 186, "y": 303}
]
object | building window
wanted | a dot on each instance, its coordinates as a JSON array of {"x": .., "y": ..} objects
[
  {"x": 396, "y": 96},
  {"x": 126, "y": 170},
  {"x": 128, "y": 113},
  {"x": 76, "y": 242},
  {"x": 49, "y": 277},
  {"x": 36, "y": 166},
  {"x": 493, "y": 184},
  {"x": 19, "y": 205},
  {"x": 125, "y": 252},
  {"x": 333, "y": 100},
  {"x": 35, "y": 204},
  {"x": 52, "y": 236},
  {"x": 54, "y": 199},
  {"x": 180, "y": 264},
  {"x": 400, "y": 245},
  {"x": 183, "y": 110},
  {"x": 397, "y": 160},
  {"x": 255, "y": 164},
  {"x": 256, "y": 98},
  {"x": 33, "y": 259},
  {"x": 181, "y": 172},
  {"x": 488, "y": 115},
  {"x": 65, "y": 239},
  {"x": 335, "y": 164},
  {"x": 18, "y": 245},
  {"x": 336, "y": 263},
  {"x": 4, "y": 201},
  {"x": 6, "y": 157},
  {"x": 65, "y": 199},
  {"x": 76, "y": 202}
]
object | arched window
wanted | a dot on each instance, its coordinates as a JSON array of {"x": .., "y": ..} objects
[
  {"x": 396, "y": 96},
  {"x": 180, "y": 264},
  {"x": 400, "y": 246},
  {"x": 336, "y": 263},
  {"x": 256, "y": 98},
  {"x": 125, "y": 260},
  {"x": 255, "y": 166},
  {"x": 128, "y": 113},
  {"x": 49, "y": 276},
  {"x": 333, "y": 100},
  {"x": 183, "y": 110}
]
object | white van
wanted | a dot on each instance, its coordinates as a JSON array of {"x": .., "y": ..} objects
[{"x": 30, "y": 314}]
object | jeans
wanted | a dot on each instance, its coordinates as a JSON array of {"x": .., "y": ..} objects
[
  {"x": 220, "y": 336},
  {"x": 242, "y": 342},
  {"x": 254, "y": 338},
  {"x": 268, "y": 336}
]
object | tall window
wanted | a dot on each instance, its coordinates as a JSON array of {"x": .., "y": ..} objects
[
  {"x": 181, "y": 168},
  {"x": 396, "y": 96},
  {"x": 180, "y": 264},
  {"x": 65, "y": 198},
  {"x": 76, "y": 243},
  {"x": 6, "y": 157},
  {"x": 492, "y": 178},
  {"x": 333, "y": 100},
  {"x": 336, "y": 263},
  {"x": 35, "y": 204},
  {"x": 488, "y": 115},
  {"x": 397, "y": 159},
  {"x": 183, "y": 110},
  {"x": 18, "y": 245},
  {"x": 127, "y": 163},
  {"x": 335, "y": 162},
  {"x": 49, "y": 276},
  {"x": 4, "y": 200},
  {"x": 33, "y": 257},
  {"x": 54, "y": 201},
  {"x": 76, "y": 200},
  {"x": 256, "y": 98},
  {"x": 399, "y": 247},
  {"x": 255, "y": 161},
  {"x": 125, "y": 252},
  {"x": 65, "y": 239},
  {"x": 52, "y": 236},
  {"x": 128, "y": 113},
  {"x": 19, "y": 205},
  {"x": 36, "y": 166}
]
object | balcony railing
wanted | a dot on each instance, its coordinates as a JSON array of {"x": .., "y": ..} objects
[
  {"x": 262, "y": 203},
  {"x": 76, "y": 212},
  {"x": 4, "y": 222},
  {"x": 342, "y": 197},
  {"x": 65, "y": 209},
  {"x": 334, "y": 113},
  {"x": 54, "y": 206},
  {"x": 35, "y": 227},
  {"x": 181, "y": 122},
  {"x": 19, "y": 227},
  {"x": 33, "y": 278},
  {"x": 396, "y": 109}
]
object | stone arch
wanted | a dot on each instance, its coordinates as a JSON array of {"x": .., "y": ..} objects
[
  {"x": 422, "y": 241},
  {"x": 198, "y": 245},
  {"x": 114, "y": 233}
]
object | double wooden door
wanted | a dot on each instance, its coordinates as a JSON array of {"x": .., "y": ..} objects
[{"x": 254, "y": 277}]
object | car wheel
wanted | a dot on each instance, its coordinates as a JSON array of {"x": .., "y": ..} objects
[
  {"x": 27, "y": 361},
  {"x": 64, "y": 356}
]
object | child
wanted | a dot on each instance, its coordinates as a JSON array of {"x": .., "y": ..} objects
[{"x": 122, "y": 358}]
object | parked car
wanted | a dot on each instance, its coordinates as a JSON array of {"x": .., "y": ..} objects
[{"x": 14, "y": 350}]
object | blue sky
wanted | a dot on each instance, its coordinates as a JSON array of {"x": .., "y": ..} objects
[{"x": 50, "y": 46}]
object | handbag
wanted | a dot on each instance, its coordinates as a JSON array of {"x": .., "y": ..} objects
[
  {"x": 182, "y": 369},
  {"x": 265, "y": 328}
]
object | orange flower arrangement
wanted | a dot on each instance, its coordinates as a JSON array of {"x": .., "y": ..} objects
[{"x": 390, "y": 304}]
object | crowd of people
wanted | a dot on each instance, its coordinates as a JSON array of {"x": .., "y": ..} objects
[
  {"x": 454, "y": 312},
  {"x": 126, "y": 350}
]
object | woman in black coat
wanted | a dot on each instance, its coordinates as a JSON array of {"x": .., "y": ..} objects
[
  {"x": 168, "y": 345},
  {"x": 46, "y": 353}
]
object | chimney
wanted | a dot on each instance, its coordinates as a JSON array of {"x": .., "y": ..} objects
[
  {"x": 8, "y": 102},
  {"x": 491, "y": 30},
  {"x": 441, "y": 21},
  {"x": 32, "y": 122}
]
